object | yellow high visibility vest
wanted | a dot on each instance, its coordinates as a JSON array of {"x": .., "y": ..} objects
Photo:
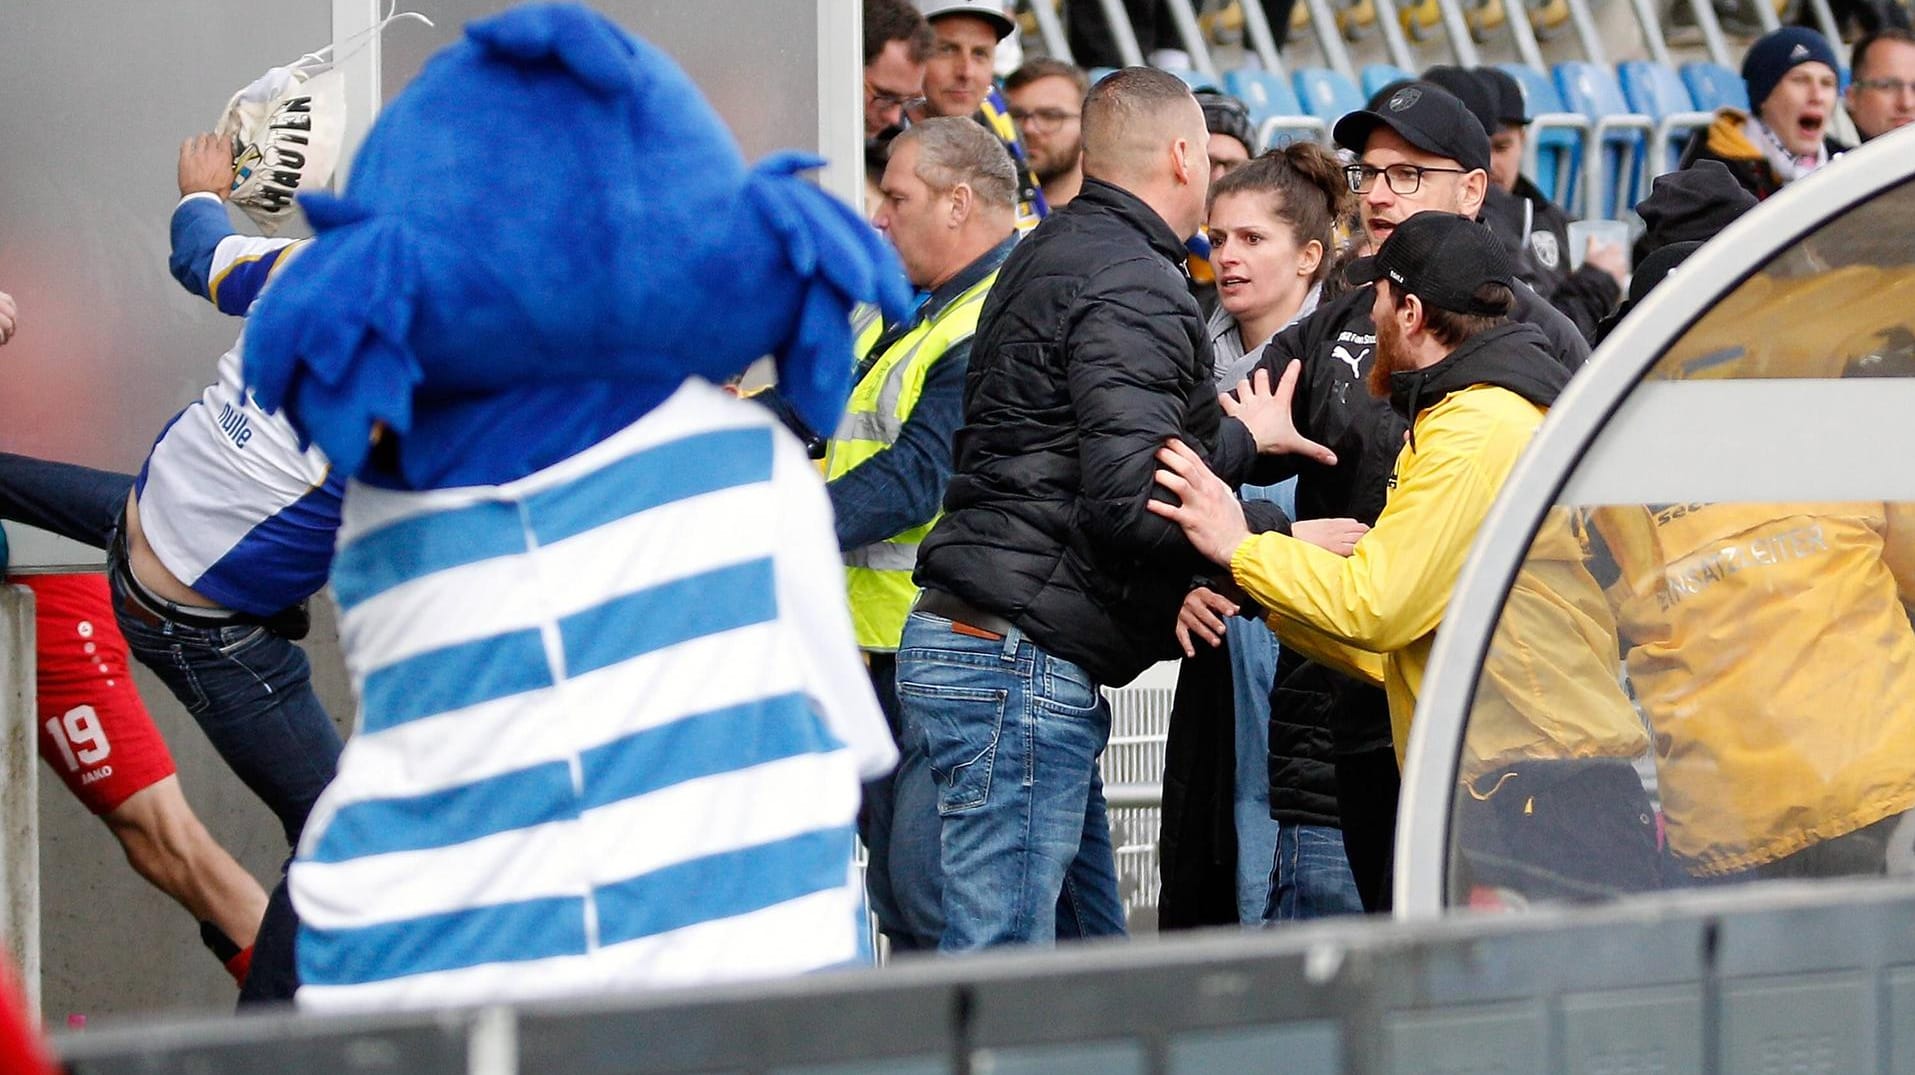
[{"x": 879, "y": 575}]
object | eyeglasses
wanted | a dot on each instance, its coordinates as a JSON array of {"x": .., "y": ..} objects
[
  {"x": 889, "y": 101},
  {"x": 1885, "y": 85},
  {"x": 1404, "y": 179},
  {"x": 1041, "y": 120}
]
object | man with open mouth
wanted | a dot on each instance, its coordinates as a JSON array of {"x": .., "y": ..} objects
[{"x": 1791, "y": 75}]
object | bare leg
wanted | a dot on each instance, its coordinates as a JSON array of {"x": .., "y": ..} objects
[{"x": 166, "y": 844}]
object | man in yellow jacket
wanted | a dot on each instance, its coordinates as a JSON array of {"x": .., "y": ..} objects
[{"x": 1474, "y": 387}]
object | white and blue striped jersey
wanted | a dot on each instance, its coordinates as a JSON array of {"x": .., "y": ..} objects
[
  {"x": 611, "y": 733},
  {"x": 229, "y": 501}
]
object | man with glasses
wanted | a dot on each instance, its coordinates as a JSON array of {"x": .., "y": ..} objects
[
  {"x": 1882, "y": 96},
  {"x": 897, "y": 41},
  {"x": 1047, "y": 104},
  {"x": 1420, "y": 150},
  {"x": 957, "y": 82}
]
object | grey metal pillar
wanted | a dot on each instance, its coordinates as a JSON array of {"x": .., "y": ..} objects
[
  {"x": 1263, "y": 40},
  {"x": 1523, "y": 33},
  {"x": 1456, "y": 25},
  {"x": 1192, "y": 35},
  {"x": 1587, "y": 32},
  {"x": 1056, "y": 42},
  {"x": 1323, "y": 21},
  {"x": 1766, "y": 16},
  {"x": 1394, "y": 43},
  {"x": 1825, "y": 20},
  {"x": 1711, "y": 27},
  {"x": 1120, "y": 32},
  {"x": 1651, "y": 30},
  {"x": 19, "y": 791}
]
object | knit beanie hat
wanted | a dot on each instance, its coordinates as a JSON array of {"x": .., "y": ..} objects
[{"x": 1775, "y": 54}]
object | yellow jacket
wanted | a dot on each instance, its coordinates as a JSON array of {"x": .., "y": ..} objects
[
  {"x": 1772, "y": 653},
  {"x": 1552, "y": 690}
]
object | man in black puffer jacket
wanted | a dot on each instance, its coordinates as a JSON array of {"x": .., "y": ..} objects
[{"x": 1047, "y": 579}]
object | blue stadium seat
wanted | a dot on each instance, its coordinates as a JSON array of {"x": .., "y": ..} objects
[
  {"x": 1273, "y": 106},
  {"x": 1617, "y": 152},
  {"x": 1099, "y": 74},
  {"x": 1326, "y": 94},
  {"x": 1657, "y": 91},
  {"x": 1196, "y": 80},
  {"x": 1713, "y": 86},
  {"x": 1555, "y": 148},
  {"x": 1378, "y": 75}
]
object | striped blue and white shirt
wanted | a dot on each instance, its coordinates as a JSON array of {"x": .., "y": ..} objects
[
  {"x": 612, "y": 727},
  {"x": 229, "y": 500}
]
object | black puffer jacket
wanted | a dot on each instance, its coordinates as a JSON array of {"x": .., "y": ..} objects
[
  {"x": 1090, "y": 353},
  {"x": 1333, "y": 406}
]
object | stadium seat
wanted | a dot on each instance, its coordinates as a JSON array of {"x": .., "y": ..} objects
[
  {"x": 1326, "y": 94},
  {"x": 1273, "y": 106},
  {"x": 1378, "y": 75},
  {"x": 1555, "y": 145},
  {"x": 1196, "y": 80},
  {"x": 1099, "y": 74},
  {"x": 1617, "y": 150},
  {"x": 1713, "y": 86},
  {"x": 1657, "y": 91}
]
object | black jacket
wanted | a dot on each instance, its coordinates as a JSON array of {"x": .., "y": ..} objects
[
  {"x": 1535, "y": 232},
  {"x": 1090, "y": 353},
  {"x": 1333, "y": 406}
]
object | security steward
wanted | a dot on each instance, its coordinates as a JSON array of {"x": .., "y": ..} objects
[{"x": 950, "y": 208}]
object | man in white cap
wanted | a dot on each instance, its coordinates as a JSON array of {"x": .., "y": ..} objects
[{"x": 957, "y": 82}]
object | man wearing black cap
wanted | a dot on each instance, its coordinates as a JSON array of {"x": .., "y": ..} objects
[
  {"x": 1471, "y": 386},
  {"x": 1534, "y": 229},
  {"x": 1791, "y": 75},
  {"x": 1420, "y": 151}
]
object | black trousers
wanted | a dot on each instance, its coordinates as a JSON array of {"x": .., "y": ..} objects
[{"x": 1367, "y": 786}]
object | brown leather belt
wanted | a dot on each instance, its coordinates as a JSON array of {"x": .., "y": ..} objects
[{"x": 962, "y": 614}]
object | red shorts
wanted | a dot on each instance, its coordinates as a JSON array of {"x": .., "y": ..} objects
[{"x": 94, "y": 729}]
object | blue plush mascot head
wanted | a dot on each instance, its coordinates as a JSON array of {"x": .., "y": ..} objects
[{"x": 553, "y": 201}]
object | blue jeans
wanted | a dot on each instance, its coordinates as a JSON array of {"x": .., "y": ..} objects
[
  {"x": 1011, "y": 736},
  {"x": 75, "y": 502},
  {"x": 1310, "y": 877},
  {"x": 899, "y": 826},
  {"x": 251, "y": 693}
]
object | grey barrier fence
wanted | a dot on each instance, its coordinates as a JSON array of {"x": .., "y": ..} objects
[{"x": 1787, "y": 978}]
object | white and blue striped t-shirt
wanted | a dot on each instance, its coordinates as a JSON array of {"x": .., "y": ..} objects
[
  {"x": 612, "y": 727},
  {"x": 229, "y": 501}
]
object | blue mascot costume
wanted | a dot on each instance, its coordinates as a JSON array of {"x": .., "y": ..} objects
[{"x": 612, "y": 723}]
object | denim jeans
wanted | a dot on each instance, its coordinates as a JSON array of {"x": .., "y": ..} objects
[
  {"x": 75, "y": 502},
  {"x": 1310, "y": 876},
  {"x": 899, "y": 826},
  {"x": 1011, "y": 736},
  {"x": 251, "y": 693}
]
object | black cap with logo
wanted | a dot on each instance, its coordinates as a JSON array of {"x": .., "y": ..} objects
[
  {"x": 1426, "y": 116},
  {"x": 1442, "y": 259}
]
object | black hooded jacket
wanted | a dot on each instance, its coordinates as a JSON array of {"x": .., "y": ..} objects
[
  {"x": 1535, "y": 232},
  {"x": 1090, "y": 353}
]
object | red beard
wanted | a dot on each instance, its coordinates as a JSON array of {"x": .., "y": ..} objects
[{"x": 1388, "y": 358}]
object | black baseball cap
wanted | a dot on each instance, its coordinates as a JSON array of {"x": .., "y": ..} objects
[
  {"x": 1511, "y": 105},
  {"x": 1469, "y": 89},
  {"x": 1442, "y": 259},
  {"x": 1426, "y": 116}
]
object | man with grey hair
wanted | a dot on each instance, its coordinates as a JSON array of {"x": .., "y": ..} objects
[
  {"x": 949, "y": 206},
  {"x": 1046, "y": 579}
]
